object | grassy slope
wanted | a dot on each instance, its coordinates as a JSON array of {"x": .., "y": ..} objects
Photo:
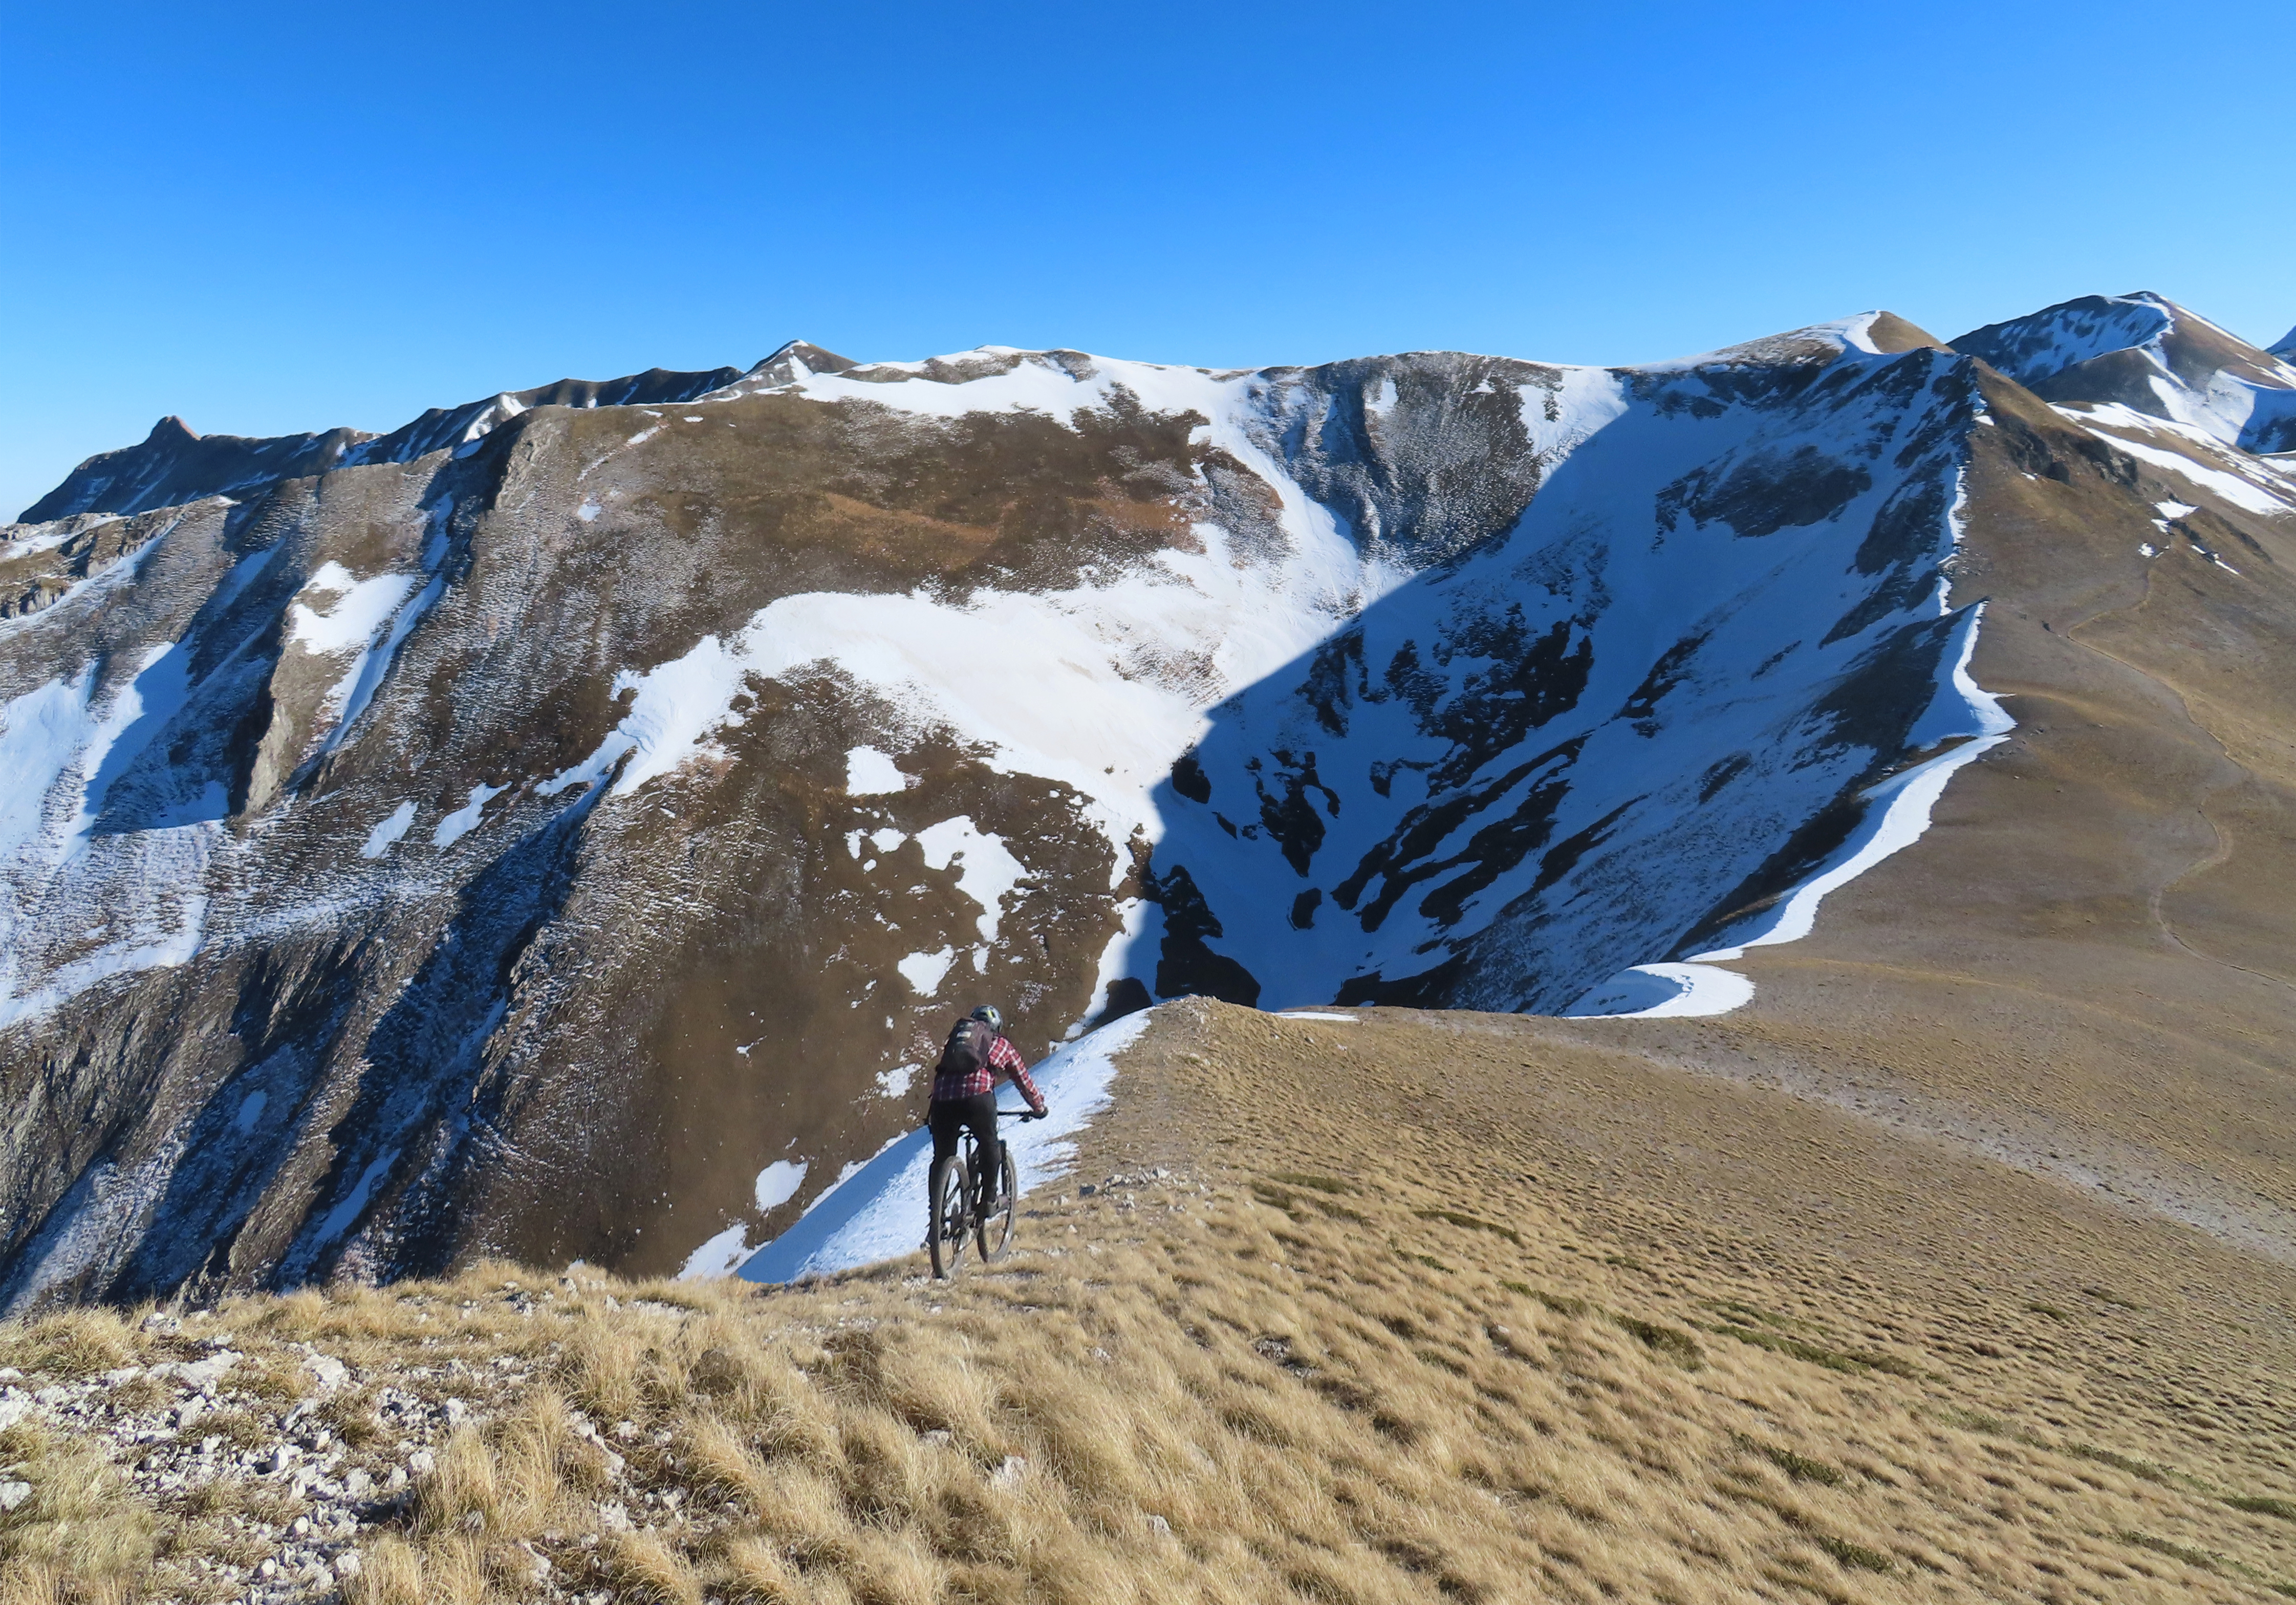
[
  {"x": 2088, "y": 964},
  {"x": 1429, "y": 1306}
]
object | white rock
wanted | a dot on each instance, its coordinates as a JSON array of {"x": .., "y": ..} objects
[
  {"x": 422, "y": 1462},
  {"x": 332, "y": 1374},
  {"x": 614, "y": 1516},
  {"x": 202, "y": 1375},
  {"x": 13, "y": 1493},
  {"x": 1009, "y": 1474},
  {"x": 347, "y": 1564}
]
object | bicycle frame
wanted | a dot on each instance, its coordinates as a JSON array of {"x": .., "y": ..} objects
[{"x": 973, "y": 1170}]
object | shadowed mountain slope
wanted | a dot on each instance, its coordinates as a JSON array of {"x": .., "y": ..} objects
[{"x": 2089, "y": 967}]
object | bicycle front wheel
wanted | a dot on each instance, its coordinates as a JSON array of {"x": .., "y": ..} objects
[
  {"x": 952, "y": 1216},
  {"x": 996, "y": 1225}
]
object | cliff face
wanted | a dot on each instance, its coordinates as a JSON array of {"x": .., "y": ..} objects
[{"x": 565, "y": 826}]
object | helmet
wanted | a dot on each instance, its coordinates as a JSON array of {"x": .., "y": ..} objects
[{"x": 988, "y": 1013}]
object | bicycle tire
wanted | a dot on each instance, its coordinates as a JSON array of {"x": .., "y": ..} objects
[
  {"x": 951, "y": 1191},
  {"x": 996, "y": 1230}
]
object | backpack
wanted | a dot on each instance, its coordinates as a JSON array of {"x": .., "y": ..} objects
[{"x": 968, "y": 1049}]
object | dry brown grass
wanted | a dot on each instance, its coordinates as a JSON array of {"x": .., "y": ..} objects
[
  {"x": 1304, "y": 1365},
  {"x": 75, "y": 1537}
]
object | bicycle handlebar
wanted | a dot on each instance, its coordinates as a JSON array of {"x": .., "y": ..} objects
[{"x": 1018, "y": 1114}]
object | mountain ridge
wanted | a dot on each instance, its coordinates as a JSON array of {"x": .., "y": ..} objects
[
  {"x": 412, "y": 854},
  {"x": 2144, "y": 353},
  {"x": 174, "y": 465}
]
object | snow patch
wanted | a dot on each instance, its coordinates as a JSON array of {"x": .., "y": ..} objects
[
  {"x": 869, "y": 773},
  {"x": 674, "y": 709},
  {"x": 1665, "y": 991},
  {"x": 343, "y": 1215},
  {"x": 464, "y": 820},
  {"x": 363, "y": 607},
  {"x": 392, "y": 826},
  {"x": 894, "y": 1082},
  {"x": 986, "y": 872},
  {"x": 923, "y": 972},
  {"x": 778, "y": 1183},
  {"x": 721, "y": 1256}
]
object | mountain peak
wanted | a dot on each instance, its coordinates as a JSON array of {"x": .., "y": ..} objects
[
  {"x": 1890, "y": 334},
  {"x": 2143, "y": 352},
  {"x": 171, "y": 431},
  {"x": 794, "y": 360}
]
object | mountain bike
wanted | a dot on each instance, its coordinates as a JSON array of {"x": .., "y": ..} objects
[{"x": 956, "y": 1212}]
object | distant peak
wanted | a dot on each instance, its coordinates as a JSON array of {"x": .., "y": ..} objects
[
  {"x": 2285, "y": 347},
  {"x": 796, "y": 359},
  {"x": 170, "y": 429}
]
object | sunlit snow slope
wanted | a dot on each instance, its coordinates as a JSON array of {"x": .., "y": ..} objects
[{"x": 566, "y": 826}]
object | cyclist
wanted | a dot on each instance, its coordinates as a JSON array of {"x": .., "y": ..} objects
[{"x": 976, "y": 1058}]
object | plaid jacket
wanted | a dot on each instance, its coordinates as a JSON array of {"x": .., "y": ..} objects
[{"x": 1004, "y": 1063}]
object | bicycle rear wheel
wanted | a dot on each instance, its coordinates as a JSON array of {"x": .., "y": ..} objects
[
  {"x": 952, "y": 1216},
  {"x": 996, "y": 1226}
]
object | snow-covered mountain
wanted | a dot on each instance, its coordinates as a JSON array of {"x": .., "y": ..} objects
[
  {"x": 2148, "y": 354},
  {"x": 564, "y": 825}
]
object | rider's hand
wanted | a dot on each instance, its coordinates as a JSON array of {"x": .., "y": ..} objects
[{"x": 1040, "y": 1113}]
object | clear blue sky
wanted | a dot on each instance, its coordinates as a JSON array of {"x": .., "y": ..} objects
[{"x": 266, "y": 216}]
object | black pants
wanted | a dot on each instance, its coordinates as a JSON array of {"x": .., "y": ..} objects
[{"x": 979, "y": 1112}]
